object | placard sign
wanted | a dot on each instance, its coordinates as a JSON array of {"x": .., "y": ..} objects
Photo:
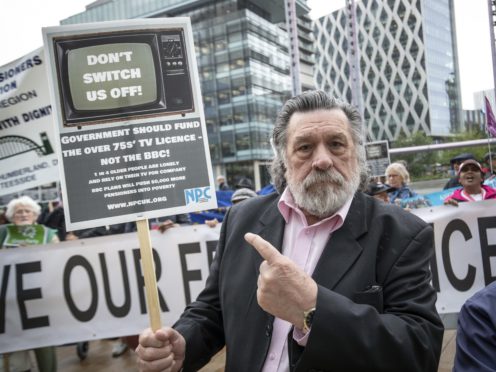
[
  {"x": 377, "y": 154},
  {"x": 27, "y": 157},
  {"x": 130, "y": 123}
]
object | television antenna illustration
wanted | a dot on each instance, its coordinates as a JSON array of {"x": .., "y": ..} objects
[{"x": 11, "y": 146}]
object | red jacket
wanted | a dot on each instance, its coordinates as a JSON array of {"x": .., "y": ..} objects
[{"x": 458, "y": 196}]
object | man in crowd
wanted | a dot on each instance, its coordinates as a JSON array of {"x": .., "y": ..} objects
[
  {"x": 317, "y": 276},
  {"x": 475, "y": 340},
  {"x": 222, "y": 184},
  {"x": 455, "y": 163},
  {"x": 379, "y": 191}
]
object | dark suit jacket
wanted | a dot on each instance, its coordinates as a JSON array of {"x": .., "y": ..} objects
[
  {"x": 476, "y": 333},
  {"x": 375, "y": 305}
]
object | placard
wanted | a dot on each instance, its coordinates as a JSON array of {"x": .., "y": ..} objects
[{"x": 130, "y": 124}]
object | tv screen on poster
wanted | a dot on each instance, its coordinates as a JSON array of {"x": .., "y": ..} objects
[{"x": 113, "y": 77}]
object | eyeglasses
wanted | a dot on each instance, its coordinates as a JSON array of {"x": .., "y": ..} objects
[
  {"x": 393, "y": 175},
  {"x": 470, "y": 167},
  {"x": 19, "y": 212}
]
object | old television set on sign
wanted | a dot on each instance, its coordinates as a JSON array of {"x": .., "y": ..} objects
[{"x": 126, "y": 75}]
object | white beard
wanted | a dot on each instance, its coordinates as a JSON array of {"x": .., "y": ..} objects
[{"x": 322, "y": 193}]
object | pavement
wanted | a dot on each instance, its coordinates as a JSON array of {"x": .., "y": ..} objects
[
  {"x": 99, "y": 358},
  {"x": 427, "y": 187}
]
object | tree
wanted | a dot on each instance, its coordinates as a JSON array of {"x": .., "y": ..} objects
[{"x": 419, "y": 164}]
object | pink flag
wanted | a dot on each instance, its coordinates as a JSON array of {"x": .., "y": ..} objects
[{"x": 490, "y": 119}]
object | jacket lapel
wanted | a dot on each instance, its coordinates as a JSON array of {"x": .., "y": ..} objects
[
  {"x": 271, "y": 228},
  {"x": 343, "y": 249}
]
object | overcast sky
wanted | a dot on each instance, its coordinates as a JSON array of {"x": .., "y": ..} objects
[{"x": 22, "y": 20}]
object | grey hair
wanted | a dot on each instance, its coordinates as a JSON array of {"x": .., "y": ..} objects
[
  {"x": 401, "y": 170},
  {"x": 23, "y": 200},
  {"x": 306, "y": 102}
]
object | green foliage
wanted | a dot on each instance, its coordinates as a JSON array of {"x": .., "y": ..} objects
[
  {"x": 419, "y": 164},
  {"x": 477, "y": 151},
  {"x": 436, "y": 163}
]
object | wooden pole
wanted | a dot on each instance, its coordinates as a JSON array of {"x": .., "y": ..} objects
[{"x": 148, "y": 267}]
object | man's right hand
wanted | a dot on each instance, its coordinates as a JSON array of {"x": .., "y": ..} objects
[{"x": 163, "y": 350}]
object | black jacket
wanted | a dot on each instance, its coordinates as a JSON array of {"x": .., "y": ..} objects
[{"x": 395, "y": 328}]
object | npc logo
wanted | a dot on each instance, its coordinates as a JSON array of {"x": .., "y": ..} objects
[{"x": 197, "y": 195}]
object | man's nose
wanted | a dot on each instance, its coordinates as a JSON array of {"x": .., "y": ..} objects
[{"x": 322, "y": 158}]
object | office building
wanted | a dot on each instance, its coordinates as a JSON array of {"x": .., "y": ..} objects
[{"x": 407, "y": 65}]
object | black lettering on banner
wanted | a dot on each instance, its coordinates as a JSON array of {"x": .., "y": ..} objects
[
  {"x": 433, "y": 263},
  {"x": 3, "y": 293},
  {"x": 72, "y": 263},
  {"x": 140, "y": 280},
  {"x": 188, "y": 275},
  {"x": 117, "y": 311},
  {"x": 24, "y": 295},
  {"x": 211, "y": 248},
  {"x": 467, "y": 282},
  {"x": 487, "y": 250}
]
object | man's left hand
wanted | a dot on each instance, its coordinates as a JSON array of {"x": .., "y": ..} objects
[{"x": 284, "y": 289}]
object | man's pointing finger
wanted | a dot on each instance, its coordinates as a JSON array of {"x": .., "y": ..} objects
[{"x": 266, "y": 250}]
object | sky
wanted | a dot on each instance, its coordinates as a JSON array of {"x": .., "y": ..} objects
[{"x": 22, "y": 20}]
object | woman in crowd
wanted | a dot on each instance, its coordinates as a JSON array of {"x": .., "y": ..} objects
[
  {"x": 23, "y": 231},
  {"x": 471, "y": 178},
  {"x": 398, "y": 178}
]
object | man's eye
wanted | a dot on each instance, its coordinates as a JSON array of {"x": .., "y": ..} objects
[
  {"x": 336, "y": 144},
  {"x": 304, "y": 148}
]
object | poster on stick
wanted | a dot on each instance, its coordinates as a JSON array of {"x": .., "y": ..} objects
[
  {"x": 27, "y": 156},
  {"x": 130, "y": 126}
]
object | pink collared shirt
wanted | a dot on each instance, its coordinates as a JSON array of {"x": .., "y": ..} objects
[{"x": 304, "y": 245}]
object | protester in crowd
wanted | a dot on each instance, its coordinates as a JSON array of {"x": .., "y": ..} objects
[
  {"x": 398, "y": 178},
  {"x": 55, "y": 219},
  {"x": 455, "y": 163},
  {"x": 476, "y": 333},
  {"x": 3, "y": 218},
  {"x": 280, "y": 296},
  {"x": 490, "y": 160},
  {"x": 379, "y": 191},
  {"x": 238, "y": 196},
  {"x": 242, "y": 194},
  {"x": 244, "y": 183},
  {"x": 222, "y": 184},
  {"x": 24, "y": 231},
  {"x": 471, "y": 178}
]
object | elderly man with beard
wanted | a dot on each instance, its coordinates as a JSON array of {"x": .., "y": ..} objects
[{"x": 318, "y": 277}]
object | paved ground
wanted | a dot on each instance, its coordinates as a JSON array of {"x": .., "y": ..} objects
[{"x": 100, "y": 358}]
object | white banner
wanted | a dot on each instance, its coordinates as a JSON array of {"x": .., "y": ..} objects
[
  {"x": 27, "y": 142},
  {"x": 93, "y": 288},
  {"x": 465, "y": 246}
]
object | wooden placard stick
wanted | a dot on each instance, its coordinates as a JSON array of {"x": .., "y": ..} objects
[{"x": 148, "y": 267}]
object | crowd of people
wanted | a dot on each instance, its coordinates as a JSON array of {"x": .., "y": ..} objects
[
  {"x": 313, "y": 276},
  {"x": 467, "y": 184}
]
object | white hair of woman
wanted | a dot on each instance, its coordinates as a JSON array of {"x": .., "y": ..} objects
[
  {"x": 401, "y": 170},
  {"x": 25, "y": 201}
]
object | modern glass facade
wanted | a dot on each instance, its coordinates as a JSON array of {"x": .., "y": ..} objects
[
  {"x": 440, "y": 65},
  {"x": 408, "y": 65},
  {"x": 244, "y": 69}
]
